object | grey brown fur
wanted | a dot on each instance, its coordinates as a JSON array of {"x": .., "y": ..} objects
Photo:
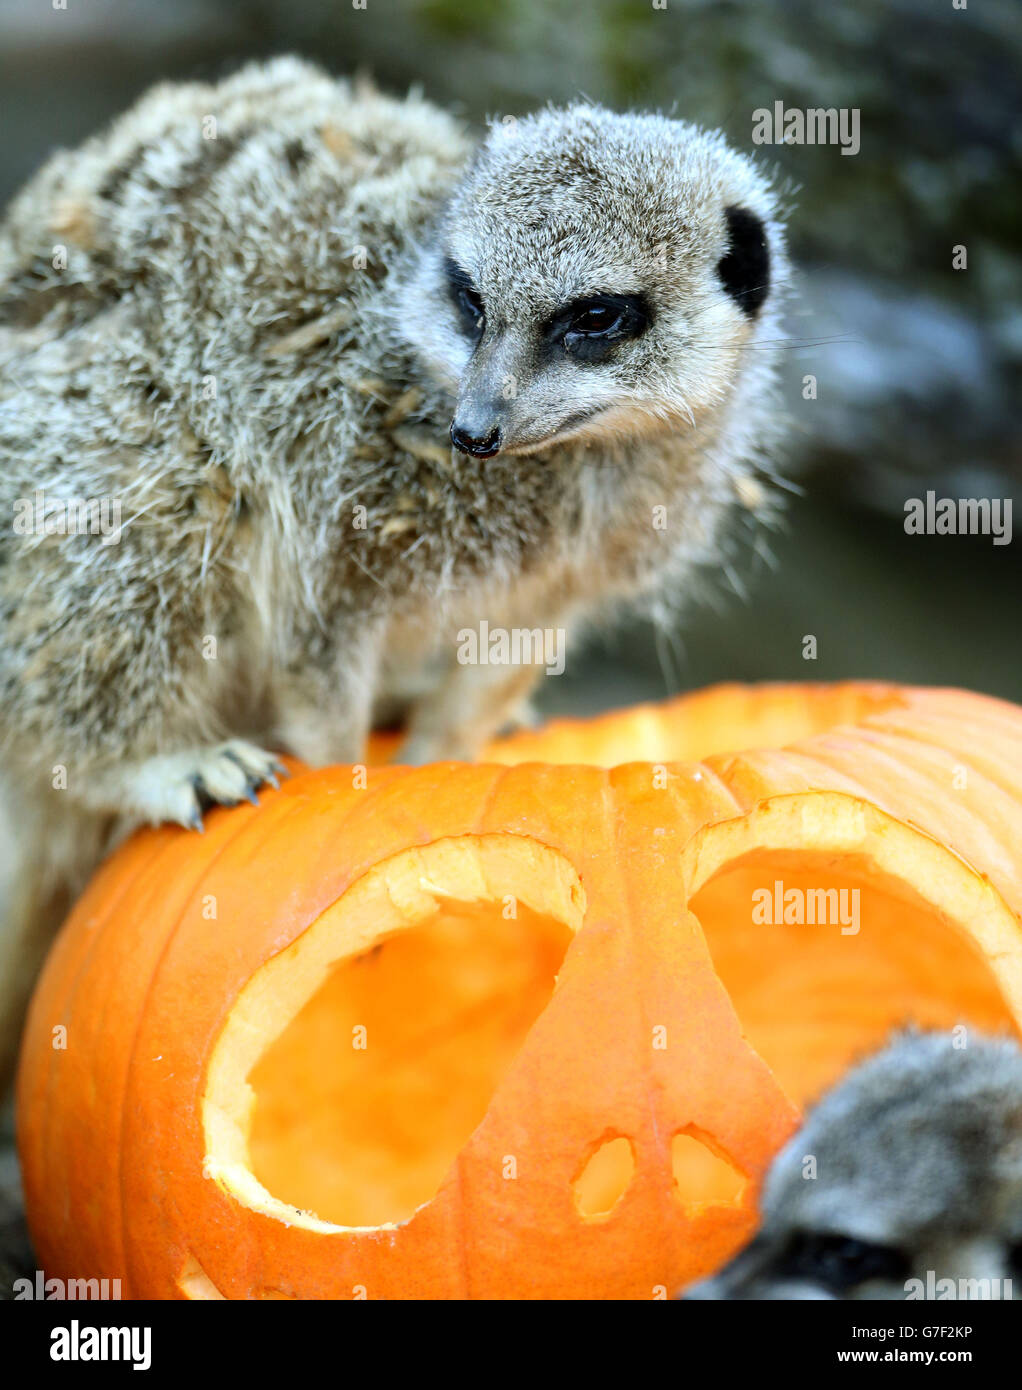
[
  {"x": 221, "y": 357},
  {"x": 918, "y": 1172}
]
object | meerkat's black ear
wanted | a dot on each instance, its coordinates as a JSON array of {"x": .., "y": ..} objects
[{"x": 745, "y": 269}]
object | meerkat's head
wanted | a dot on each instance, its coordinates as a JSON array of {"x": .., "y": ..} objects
[
  {"x": 916, "y": 1175},
  {"x": 594, "y": 274}
]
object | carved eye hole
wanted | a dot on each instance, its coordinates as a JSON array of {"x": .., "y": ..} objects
[{"x": 840, "y": 1262}]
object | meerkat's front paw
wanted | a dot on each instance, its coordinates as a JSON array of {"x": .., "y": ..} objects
[{"x": 180, "y": 786}]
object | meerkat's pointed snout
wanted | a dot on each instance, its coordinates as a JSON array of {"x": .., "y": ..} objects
[{"x": 486, "y": 415}]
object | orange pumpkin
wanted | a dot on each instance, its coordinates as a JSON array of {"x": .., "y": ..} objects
[{"x": 318, "y": 1052}]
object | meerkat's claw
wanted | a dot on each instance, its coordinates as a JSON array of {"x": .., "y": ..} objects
[
  {"x": 258, "y": 766},
  {"x": 179, "y": 787},
  {"x": 205, "y": 797},
  {"x": 252, "y": 784}
]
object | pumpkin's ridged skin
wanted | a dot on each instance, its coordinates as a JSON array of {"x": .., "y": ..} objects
[{"x": 110, "y": 1132}]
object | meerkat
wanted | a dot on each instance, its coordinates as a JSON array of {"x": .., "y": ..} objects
[
  {"x": 346, "y": 380},
  {"x": 918, "y": 1181}
]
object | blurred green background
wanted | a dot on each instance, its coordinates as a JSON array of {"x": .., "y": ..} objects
[{"x": 918, "y": 365}]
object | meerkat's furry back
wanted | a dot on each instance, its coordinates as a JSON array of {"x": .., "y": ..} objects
[
  {"x": 132, "y": 375},
  {"x": 139, "y": 312}
]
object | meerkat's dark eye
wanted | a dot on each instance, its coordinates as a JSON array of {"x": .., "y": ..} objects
[
  {"x": 745, "y": 269},
  {"x": 840, "y": 1262},
  {"x": 600, "y": 318},
  {"x": 467, "y": 299},
  {"x": 589, "y": 328},
  {"x": 471, "y": 305}
]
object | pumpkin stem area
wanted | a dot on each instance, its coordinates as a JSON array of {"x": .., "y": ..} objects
[
  {"x": 356, "y": 1064},
  {"x": 831, "y": 925}
]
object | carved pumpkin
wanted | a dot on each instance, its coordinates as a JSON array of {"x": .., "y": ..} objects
[{"x": 318, "y": 1052}]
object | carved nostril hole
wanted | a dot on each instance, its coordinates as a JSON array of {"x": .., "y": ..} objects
[
  {"x": 703, "y": 1174},
  {"x": 604, "y": 1178}
]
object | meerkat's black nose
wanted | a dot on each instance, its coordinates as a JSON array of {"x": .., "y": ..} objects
[{"x": 480, "y": 447}]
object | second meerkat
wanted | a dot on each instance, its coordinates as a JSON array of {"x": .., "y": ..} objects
[{"x": 354, "y": 381}]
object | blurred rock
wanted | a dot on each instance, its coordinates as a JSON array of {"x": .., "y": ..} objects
[{"x": 913, "y": 393}]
